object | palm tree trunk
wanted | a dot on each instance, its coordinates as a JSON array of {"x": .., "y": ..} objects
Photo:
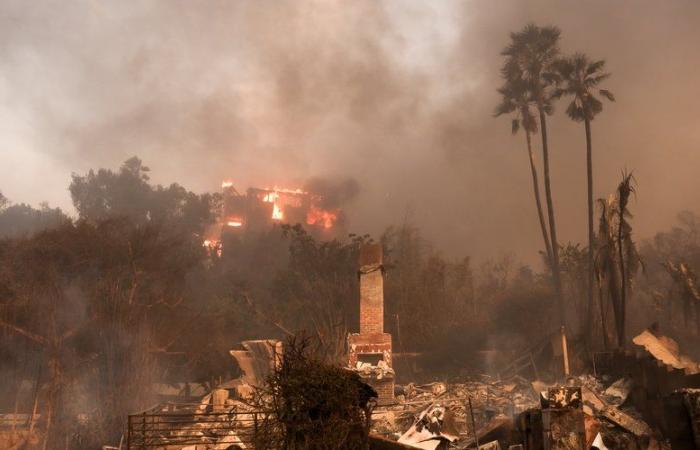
[
  {"x": 591, "y": 235},
  {"x": 603, "y": 322},
  {"x": 550, "y": 210},
  {"x": 623, "y": 281},
  {"x": 615, "y": 300},
  {"x": 538, "y": 201}
]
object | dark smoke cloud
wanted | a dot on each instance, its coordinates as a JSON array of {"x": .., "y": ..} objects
[
  {"x": 397, "y": 96},
  {"x": 335, "y": 193}
]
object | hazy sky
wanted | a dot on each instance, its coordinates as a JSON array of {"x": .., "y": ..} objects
[{"x": 398, "y": 95}]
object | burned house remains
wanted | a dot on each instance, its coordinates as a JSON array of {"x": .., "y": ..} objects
[{"x": 369, "y": 351}]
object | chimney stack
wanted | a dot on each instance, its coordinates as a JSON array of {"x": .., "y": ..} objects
[
  {"x": 371, "y": 289},
  {"x": 369, "y": 351}
]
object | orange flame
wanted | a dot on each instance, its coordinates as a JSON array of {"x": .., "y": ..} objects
[
  {"x": 277, "y": 212},
  {"x": 282, "y": 198},
  {"x": 277, "y": 190},
  {"x": 318, "y": 216},
  {"x": 273, "y": 196},
  {"x": 213, "y": 246}
]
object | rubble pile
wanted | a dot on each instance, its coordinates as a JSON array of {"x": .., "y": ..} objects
[
  {"x": 379, "y": 371},
  {"x": 490, "y": 399},
  {"x": 485, "y": 413},
  {"x": 217, "y": 423},
  {"x": 585, "y": 411}
]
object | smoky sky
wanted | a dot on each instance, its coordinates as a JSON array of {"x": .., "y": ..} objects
[{"x": 396, "y": 95}]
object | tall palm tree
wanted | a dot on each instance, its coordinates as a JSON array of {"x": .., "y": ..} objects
[
  {"x": 607, "y": 266},
  {"x": 618, "y": 259},
  {"x": 628, "y": 257},
  {"x": 516, "y": 100},
  {"x": 530, "y": 57},
  {"x": 578, "y": 78}
]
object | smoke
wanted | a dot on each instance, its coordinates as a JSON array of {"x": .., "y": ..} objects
[
  {"x": 397, "y": 96},
  {"x": 334, "y": 193}
]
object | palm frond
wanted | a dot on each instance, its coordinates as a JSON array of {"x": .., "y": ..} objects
[
  {"x": 516, "y": 97},
  {"x": 625, "y": 189},
  {"x": 607, "y": 94},
  {"x": 563, "y": 66},
  {"x": 529, "y": 122},
  {"x": 580, "y": 62},
  {"x": 595, "y": 66},
  {"x": 595, "y": 81},
  {"x": 593, "y": 107},
  {"x": 505, "y": 107},
  {"x": 575, "y": 112},
  {"x": 558, "y": 93},
  {"x": 551, "y": 77},
  {"x": 548, "y": 107}
]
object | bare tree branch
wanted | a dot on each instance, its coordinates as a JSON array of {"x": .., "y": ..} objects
[{"x": 41, "y": 340}]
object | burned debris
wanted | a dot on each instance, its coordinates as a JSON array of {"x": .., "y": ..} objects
[
  {"x": 583, "y": 412},
  {"x": 608, "y": 410}
]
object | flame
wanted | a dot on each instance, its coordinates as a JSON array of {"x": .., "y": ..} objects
[
  {"x": 277, "y": 190},
  {"x": 213, "y": 246},
  {"x": 278, "y": 202},
  {"x": 277, "y": 212},
  {"x": 282, "y": 198},
  {"x": 318, "y": 216},
  {"x": 270, "y": 197}
]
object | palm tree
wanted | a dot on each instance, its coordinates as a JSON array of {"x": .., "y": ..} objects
[
  {"x": 618, "y": 259},
  {"x": 579, "y": 78},
  {"x": 516, "y": 100},
  {"x": 607, "y": 267},
  {"x": 628, "y": 257},
  {"x": 530, "y": 57}
]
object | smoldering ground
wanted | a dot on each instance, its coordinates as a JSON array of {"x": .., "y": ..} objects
[{"x": 396, "y": 95}]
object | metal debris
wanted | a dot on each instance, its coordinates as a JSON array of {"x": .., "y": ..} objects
[
  {"x": 666, "y": 350},
  {"x": 493, "y": 445},
  {"x": 258, "y": 359},
  {"x": 581, "y": 414},
  {"x": 434, "y": 426},
  {"x": 619, "y": 390},
  {"x": 691, "y": 400},
  {"x": 598, "y": 443},
  {"x": 624, "y": 420}
]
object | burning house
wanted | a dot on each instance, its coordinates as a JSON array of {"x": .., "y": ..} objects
[{"x": 258, "y": 209}]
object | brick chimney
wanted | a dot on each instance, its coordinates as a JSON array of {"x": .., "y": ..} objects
[
  {"x": 371, "y": 289},
  {"x": 369, "y": 351}
]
